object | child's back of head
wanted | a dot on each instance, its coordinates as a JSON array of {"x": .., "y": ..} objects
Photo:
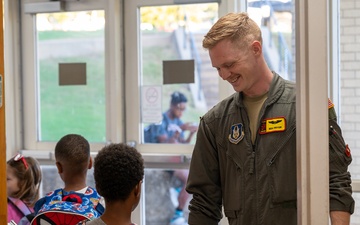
[
  {"x": 72, "y": 155},
  {"x": 118, "y": 173},
  {"x": 76, "y": 201}
]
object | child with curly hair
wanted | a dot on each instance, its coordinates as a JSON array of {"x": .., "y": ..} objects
[
  {"x": 23, "y": 177},
  {"x": 118, "y": 173}
]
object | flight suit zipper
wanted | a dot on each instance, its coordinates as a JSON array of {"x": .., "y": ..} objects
[{"x": 282, "y": 143}]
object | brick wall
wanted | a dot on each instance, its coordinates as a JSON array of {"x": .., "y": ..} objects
[
  {"x": 350, "y": 86},
  {"x": 350, "y": 78}
]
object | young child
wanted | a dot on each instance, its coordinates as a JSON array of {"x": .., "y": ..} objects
[
  {"x": 23, "y": 177},
  {"x": 118, "y": 173},
  {"x": 72, "y": 156}
]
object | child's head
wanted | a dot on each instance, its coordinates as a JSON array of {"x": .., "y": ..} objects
[
  {"x": 178, "y": 104},
  {"x": 118, "y": 173},
  {"x": 72, "y": 154},
  {"x": 23, "y": 178}
]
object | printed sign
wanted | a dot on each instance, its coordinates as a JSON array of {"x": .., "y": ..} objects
[{"x": 151, "y": 111}]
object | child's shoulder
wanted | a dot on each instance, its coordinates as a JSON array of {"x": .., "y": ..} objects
[
  {"x": 85, "y": 196},
  {"x": 97, "y": 221}
]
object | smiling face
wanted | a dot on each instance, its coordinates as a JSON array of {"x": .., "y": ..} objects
[
  {"x": 238, "y": 66},
  {"x": 12, "y": 181}
]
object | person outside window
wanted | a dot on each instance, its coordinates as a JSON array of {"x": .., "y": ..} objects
[{"x": 172, "y": 130}]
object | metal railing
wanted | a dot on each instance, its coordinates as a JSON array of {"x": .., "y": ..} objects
[{"x": 285, "y": 58}]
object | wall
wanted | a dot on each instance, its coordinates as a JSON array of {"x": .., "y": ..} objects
[
  {"x": 350, "y": 78},
  {"x": 350, "y": 85}
]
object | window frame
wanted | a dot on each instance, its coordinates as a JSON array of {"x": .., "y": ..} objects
[{"x": 113, "y": 84}]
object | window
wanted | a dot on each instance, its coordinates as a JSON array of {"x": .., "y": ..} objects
[
  {"x": 67, "y": 62},
  {"x": 71, "y": 75}
]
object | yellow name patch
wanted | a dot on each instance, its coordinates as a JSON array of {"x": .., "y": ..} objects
[{"x": 272, "y": 125}]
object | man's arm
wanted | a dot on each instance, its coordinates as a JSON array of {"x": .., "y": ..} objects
[
  {"x": 204, "y": 180},
  {"x": 339, "y": 218}
]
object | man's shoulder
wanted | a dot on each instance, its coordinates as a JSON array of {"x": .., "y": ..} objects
[
  {"x": 331, "y": 108},
  {"x": 224, "y": 108}
]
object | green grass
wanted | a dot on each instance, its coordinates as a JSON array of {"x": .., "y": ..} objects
[
  {"x": 81, "y": 108},
  {"x": 52, "y": 35},
  {"x": 76, "y": 108}
]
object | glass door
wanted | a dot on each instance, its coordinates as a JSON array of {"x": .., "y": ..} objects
[
  {"x": 67, "y": 69},
  {"x": 67, "y": 77},
  {"x": 170, "y": 83}
]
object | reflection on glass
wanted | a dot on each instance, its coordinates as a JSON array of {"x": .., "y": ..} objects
[
  {"x": 165, "y": 193},
  {"x": 276, "y": 19},
  {"x": 175, "y": 33},
  {"x": 71, "y": 37}
]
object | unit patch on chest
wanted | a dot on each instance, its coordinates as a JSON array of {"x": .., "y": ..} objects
[
  {"x": 236, "y": 133},
  {"x": 270, "y": 125}
]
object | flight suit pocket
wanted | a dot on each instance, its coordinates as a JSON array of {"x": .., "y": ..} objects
[
  {"x": 234, "y": 190},
  {"x": 282, "y": 173}
]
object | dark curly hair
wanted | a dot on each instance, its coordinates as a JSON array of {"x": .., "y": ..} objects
[
  {"x": 29, "y": 179},
  {"x": 118, "y": 168},
  {"x": 74, "y": 151},
  {"x": 177, "y": 97}
]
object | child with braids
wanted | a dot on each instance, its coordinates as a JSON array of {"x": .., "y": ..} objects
[{"x": 23, "y": 177}]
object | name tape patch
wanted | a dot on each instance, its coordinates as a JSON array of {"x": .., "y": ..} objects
[{"x": 271, "y": 125}]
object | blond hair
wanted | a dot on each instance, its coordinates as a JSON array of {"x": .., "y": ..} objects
[{"x": 239, "y": 28}]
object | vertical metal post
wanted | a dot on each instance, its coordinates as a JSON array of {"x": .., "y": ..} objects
[
  {"x": 312, "y": 120},
  {"x": 3, "y": 196}
]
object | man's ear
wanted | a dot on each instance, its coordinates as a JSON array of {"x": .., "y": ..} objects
[
  {"x": 59, "y": 167},
  {"x": 90, "y": 163},
  {"x": 256, "y": 47}
]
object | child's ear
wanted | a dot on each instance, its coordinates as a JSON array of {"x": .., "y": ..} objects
[
  {"x": 137, "y": 189},
  {"x": 135, "y": 195},
  {"x": 90, "y": 163},
  {"x": 59, "y": 167}
]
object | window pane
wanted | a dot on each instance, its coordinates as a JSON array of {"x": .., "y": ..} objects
[
  {"x": 163, "y": 192},
  {"x": 276, "y": 19},
  {"x": 173, "y": 60},
  {"x": 52, "y": 181},
  {"x": 71, "y": 38},
  {"x": 162, "y": 188}
]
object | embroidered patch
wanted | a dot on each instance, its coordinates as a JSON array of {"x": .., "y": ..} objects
[
  {"x": 347, "y": 151},
  {"x": 330, "y": 104},
  {"x": 270, "y": 125},
  {"x": 236, "y": 133}
]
